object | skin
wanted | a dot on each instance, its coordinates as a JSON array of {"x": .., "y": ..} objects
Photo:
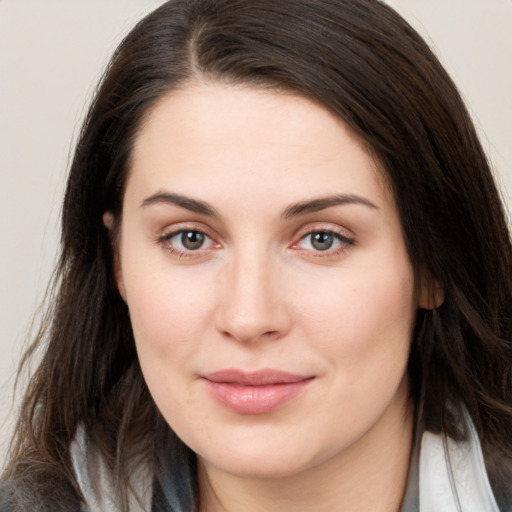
[{"x": 258, "y": 293}]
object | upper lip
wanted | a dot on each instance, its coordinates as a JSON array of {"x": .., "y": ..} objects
[{"x": 264, "y": 377}]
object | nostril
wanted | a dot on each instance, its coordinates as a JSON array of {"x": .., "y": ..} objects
[{"x": 250, "y": 336}]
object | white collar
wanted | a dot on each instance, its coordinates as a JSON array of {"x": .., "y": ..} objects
[
  {"x": 452, "y": 475},
  {"x": 96, "y": 482}
]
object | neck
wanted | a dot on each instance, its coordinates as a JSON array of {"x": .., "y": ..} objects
[{"x": 371, "y": 475}]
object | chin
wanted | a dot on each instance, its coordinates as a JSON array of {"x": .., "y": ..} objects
[
  {"x": 275, "y": 459},
  {"x": 261, "y": 466}
]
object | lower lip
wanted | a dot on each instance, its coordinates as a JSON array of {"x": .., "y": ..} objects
[{"x": 255, "y": 399}]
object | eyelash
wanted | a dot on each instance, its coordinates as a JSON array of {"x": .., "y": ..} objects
[
  {"x": 343, "y": 241},
  {"x": 165, "y": 242}
]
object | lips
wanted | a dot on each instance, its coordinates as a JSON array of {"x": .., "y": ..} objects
[{"x": 257, "y": 392}]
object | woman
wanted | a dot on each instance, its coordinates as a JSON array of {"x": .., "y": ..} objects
[{"x": 284, "y": 281}]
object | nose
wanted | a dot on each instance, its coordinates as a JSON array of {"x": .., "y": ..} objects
[{"x": 252, "y": 305}]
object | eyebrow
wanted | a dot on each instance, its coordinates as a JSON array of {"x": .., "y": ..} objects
[
  {"x": 296, "y": 209},
  {"x": 321, "y": 203},
  {"x": 193, "y": 205}
]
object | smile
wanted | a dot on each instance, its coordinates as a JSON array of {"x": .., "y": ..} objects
[{"x": 256, "y": 392}]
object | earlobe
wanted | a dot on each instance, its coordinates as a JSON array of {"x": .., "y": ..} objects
[
  {"x": 431, "y": 294},
  {"x": 108, "y": 222}
]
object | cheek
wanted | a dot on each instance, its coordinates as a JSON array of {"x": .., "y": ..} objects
[
  {"x": 169, "y": 307},
  {"x": 169, "y": 316},
  {"x": 361, "y": 326},
  {"x": 362, "y": 315}
]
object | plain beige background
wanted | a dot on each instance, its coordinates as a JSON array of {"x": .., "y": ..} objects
[{"x": 52, "y": 53}]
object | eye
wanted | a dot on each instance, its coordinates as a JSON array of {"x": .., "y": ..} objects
[
  {"x": 323, "y": 241},
  {"x": 191, "y": 240},
  {"x": 186, "y": 240}
]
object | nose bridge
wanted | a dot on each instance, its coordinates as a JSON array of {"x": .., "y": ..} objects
[{"x": 252, "y": 304}]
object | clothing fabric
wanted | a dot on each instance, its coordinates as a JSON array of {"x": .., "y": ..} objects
[
  {"x": 445, "y": 476},
  {"x": 449, "y": 476},
  {"x": 95, "y": 480}
]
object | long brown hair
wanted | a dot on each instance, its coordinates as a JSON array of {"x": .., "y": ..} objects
[{"x": 370, "y": 68}]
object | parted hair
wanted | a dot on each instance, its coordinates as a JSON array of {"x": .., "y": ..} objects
[{"x": 363, "y": 62}]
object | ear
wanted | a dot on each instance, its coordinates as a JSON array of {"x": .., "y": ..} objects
[
  {"x": 431, "y": 293},
  {"x": 108, "y": 222}
]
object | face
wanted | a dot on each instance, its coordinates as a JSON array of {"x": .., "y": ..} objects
[{"x": 270, "y": 292}]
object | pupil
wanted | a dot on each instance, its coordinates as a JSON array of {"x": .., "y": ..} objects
[
  {"x": 322, "y": 241},
  {"x": 192, "y": 240}
]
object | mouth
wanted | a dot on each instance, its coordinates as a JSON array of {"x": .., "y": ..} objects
[{"x": 257, "y": 392}]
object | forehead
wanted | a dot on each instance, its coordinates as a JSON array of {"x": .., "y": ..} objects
[{"x": 249, "y": 136}]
